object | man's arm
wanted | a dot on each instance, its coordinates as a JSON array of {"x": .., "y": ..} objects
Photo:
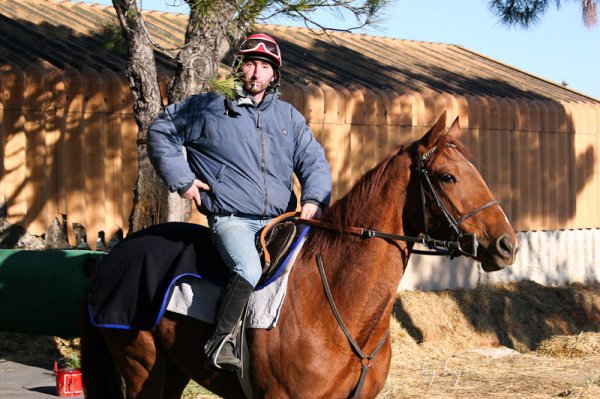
[
  {"x": 312, "y": 169},
  {"x": 166, "y": 139}
]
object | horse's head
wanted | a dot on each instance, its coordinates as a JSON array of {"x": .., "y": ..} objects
[{"x": 458, "y": 201}]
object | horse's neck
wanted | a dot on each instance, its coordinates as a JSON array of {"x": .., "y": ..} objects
[
  {"x": 369, "y": 270},
  {"x": 364, "y": 274}
]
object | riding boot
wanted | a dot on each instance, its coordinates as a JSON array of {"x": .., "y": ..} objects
[{"x": 219, "y": 348}]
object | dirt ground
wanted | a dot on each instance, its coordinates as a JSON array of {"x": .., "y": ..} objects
[
  {"x": 492, "y": 373},
  {"x": 512, "y": 341}
]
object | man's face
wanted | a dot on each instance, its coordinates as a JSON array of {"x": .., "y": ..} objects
[{"x": 257, "y": 76}]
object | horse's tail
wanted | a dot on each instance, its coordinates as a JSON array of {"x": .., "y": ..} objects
[{"x": 101, "y": 378}]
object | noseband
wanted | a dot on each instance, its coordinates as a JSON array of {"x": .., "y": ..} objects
[{"x": 460, "y": 243}]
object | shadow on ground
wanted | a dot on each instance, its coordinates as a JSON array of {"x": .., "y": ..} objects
[{"x": 518, "y": 315}]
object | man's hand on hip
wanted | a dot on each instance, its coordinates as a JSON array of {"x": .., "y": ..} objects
[
  {"x": 311, "y": 211},
  {"x": 193, "y": 192}
]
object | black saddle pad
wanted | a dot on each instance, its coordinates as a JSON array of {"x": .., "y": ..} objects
[{"x": 133, "y": 285}]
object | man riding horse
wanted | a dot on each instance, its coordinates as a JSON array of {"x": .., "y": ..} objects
[{"x": 240, "y": 157}]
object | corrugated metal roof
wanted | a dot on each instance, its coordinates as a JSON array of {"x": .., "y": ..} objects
[{"x": 65, "y": 33}]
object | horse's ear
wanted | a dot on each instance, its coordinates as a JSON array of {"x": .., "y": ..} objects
[
  {"x": 454, "y": 130},
  {"x": 435, "y": 132}
]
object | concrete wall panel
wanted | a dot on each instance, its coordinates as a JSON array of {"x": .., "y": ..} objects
[
  {"x": 546, "y": 257},
  {"x": 36, "y": 189},
  {"x": 471, "y": 137},
  {"x": 94, "y": 137},
  {"x": 585, "y": 180},
  {"x": 540, "y": 159},
  {"x": 314, "y": 105},
  {"x": 54, "y": 117},
  {"x": 113, "y": 182},
  {"x": 335, "y": 138},
  {"x": 14, "y": 145},
  {"x": 74, "y": 159}
]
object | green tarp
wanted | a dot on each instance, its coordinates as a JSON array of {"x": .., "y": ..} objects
[{"x": 41, "y": 291}]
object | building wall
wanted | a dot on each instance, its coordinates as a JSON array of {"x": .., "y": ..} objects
[
  {"x": 68, "y": 146},
  {"x": 550, "y": 258}
]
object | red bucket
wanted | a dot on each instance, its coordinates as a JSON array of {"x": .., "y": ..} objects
[{"x": 68, "y": 381}]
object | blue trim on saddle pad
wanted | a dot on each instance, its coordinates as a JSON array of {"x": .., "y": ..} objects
[
  {"x": 289, "y": 256},
  {"x": 163, "y": 306},
  {"x": 168, "y": 292}
]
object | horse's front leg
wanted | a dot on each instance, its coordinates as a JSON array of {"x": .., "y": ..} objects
[{"x": 140, "y": 363}]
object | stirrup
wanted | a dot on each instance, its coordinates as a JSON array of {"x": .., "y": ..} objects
[{"x": 214, "y": 356}]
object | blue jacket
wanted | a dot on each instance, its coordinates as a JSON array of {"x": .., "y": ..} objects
[{"x": 246, "y": 154}]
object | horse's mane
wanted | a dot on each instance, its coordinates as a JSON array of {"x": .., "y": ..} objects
[
  {"x": 357, "y": 201},
  {"x": 344, "y": 211}
]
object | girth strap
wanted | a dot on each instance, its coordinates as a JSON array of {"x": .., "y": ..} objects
[{"x": 365, "y": 360}]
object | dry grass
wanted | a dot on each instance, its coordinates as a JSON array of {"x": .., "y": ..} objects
[
  {"x": 430, "y": 371},
  {"x": 519, "y": 316},
  {"x": 555, "y": 331},
  {"x": 561, "y": 346}
]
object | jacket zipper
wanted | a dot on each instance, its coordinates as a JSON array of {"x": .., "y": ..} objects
[{"x": 263, "y": 159}]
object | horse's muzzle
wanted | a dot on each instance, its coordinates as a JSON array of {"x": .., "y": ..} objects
[{"x": 498, "y": 254}]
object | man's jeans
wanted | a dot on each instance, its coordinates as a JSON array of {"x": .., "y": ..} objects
[{"x": 235, "y": 238}]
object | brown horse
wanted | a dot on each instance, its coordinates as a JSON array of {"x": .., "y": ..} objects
[{"x": 428, "y": 188}]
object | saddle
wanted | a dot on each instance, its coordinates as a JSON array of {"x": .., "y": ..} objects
[{"x": 274, "y": 243}]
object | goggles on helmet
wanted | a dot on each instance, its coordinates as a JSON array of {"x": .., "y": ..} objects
[{"x": 261, "y": 45}]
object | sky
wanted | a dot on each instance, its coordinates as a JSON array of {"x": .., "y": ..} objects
[{"x": 559, "y": 48}]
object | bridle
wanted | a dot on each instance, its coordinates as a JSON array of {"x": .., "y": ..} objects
[{"x": 460, "y": 243}]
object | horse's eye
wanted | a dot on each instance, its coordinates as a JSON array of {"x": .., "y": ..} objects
[{"x": 448, "y": 178}]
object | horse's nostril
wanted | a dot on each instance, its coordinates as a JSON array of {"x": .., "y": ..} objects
[{"x": 504, "y": 247}]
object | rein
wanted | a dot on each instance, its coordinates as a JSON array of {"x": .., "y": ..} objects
[
  {"x": 372, "y": 233},
  {"x": 460, "y": 243},
  {"x": 365, "y": 360}
]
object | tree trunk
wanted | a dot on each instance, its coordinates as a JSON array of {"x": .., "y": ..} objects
[
  {"x": 204, "y": 49},
  {"x": 205, "y": 45},
  {"x": 150, "y": 194}
]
